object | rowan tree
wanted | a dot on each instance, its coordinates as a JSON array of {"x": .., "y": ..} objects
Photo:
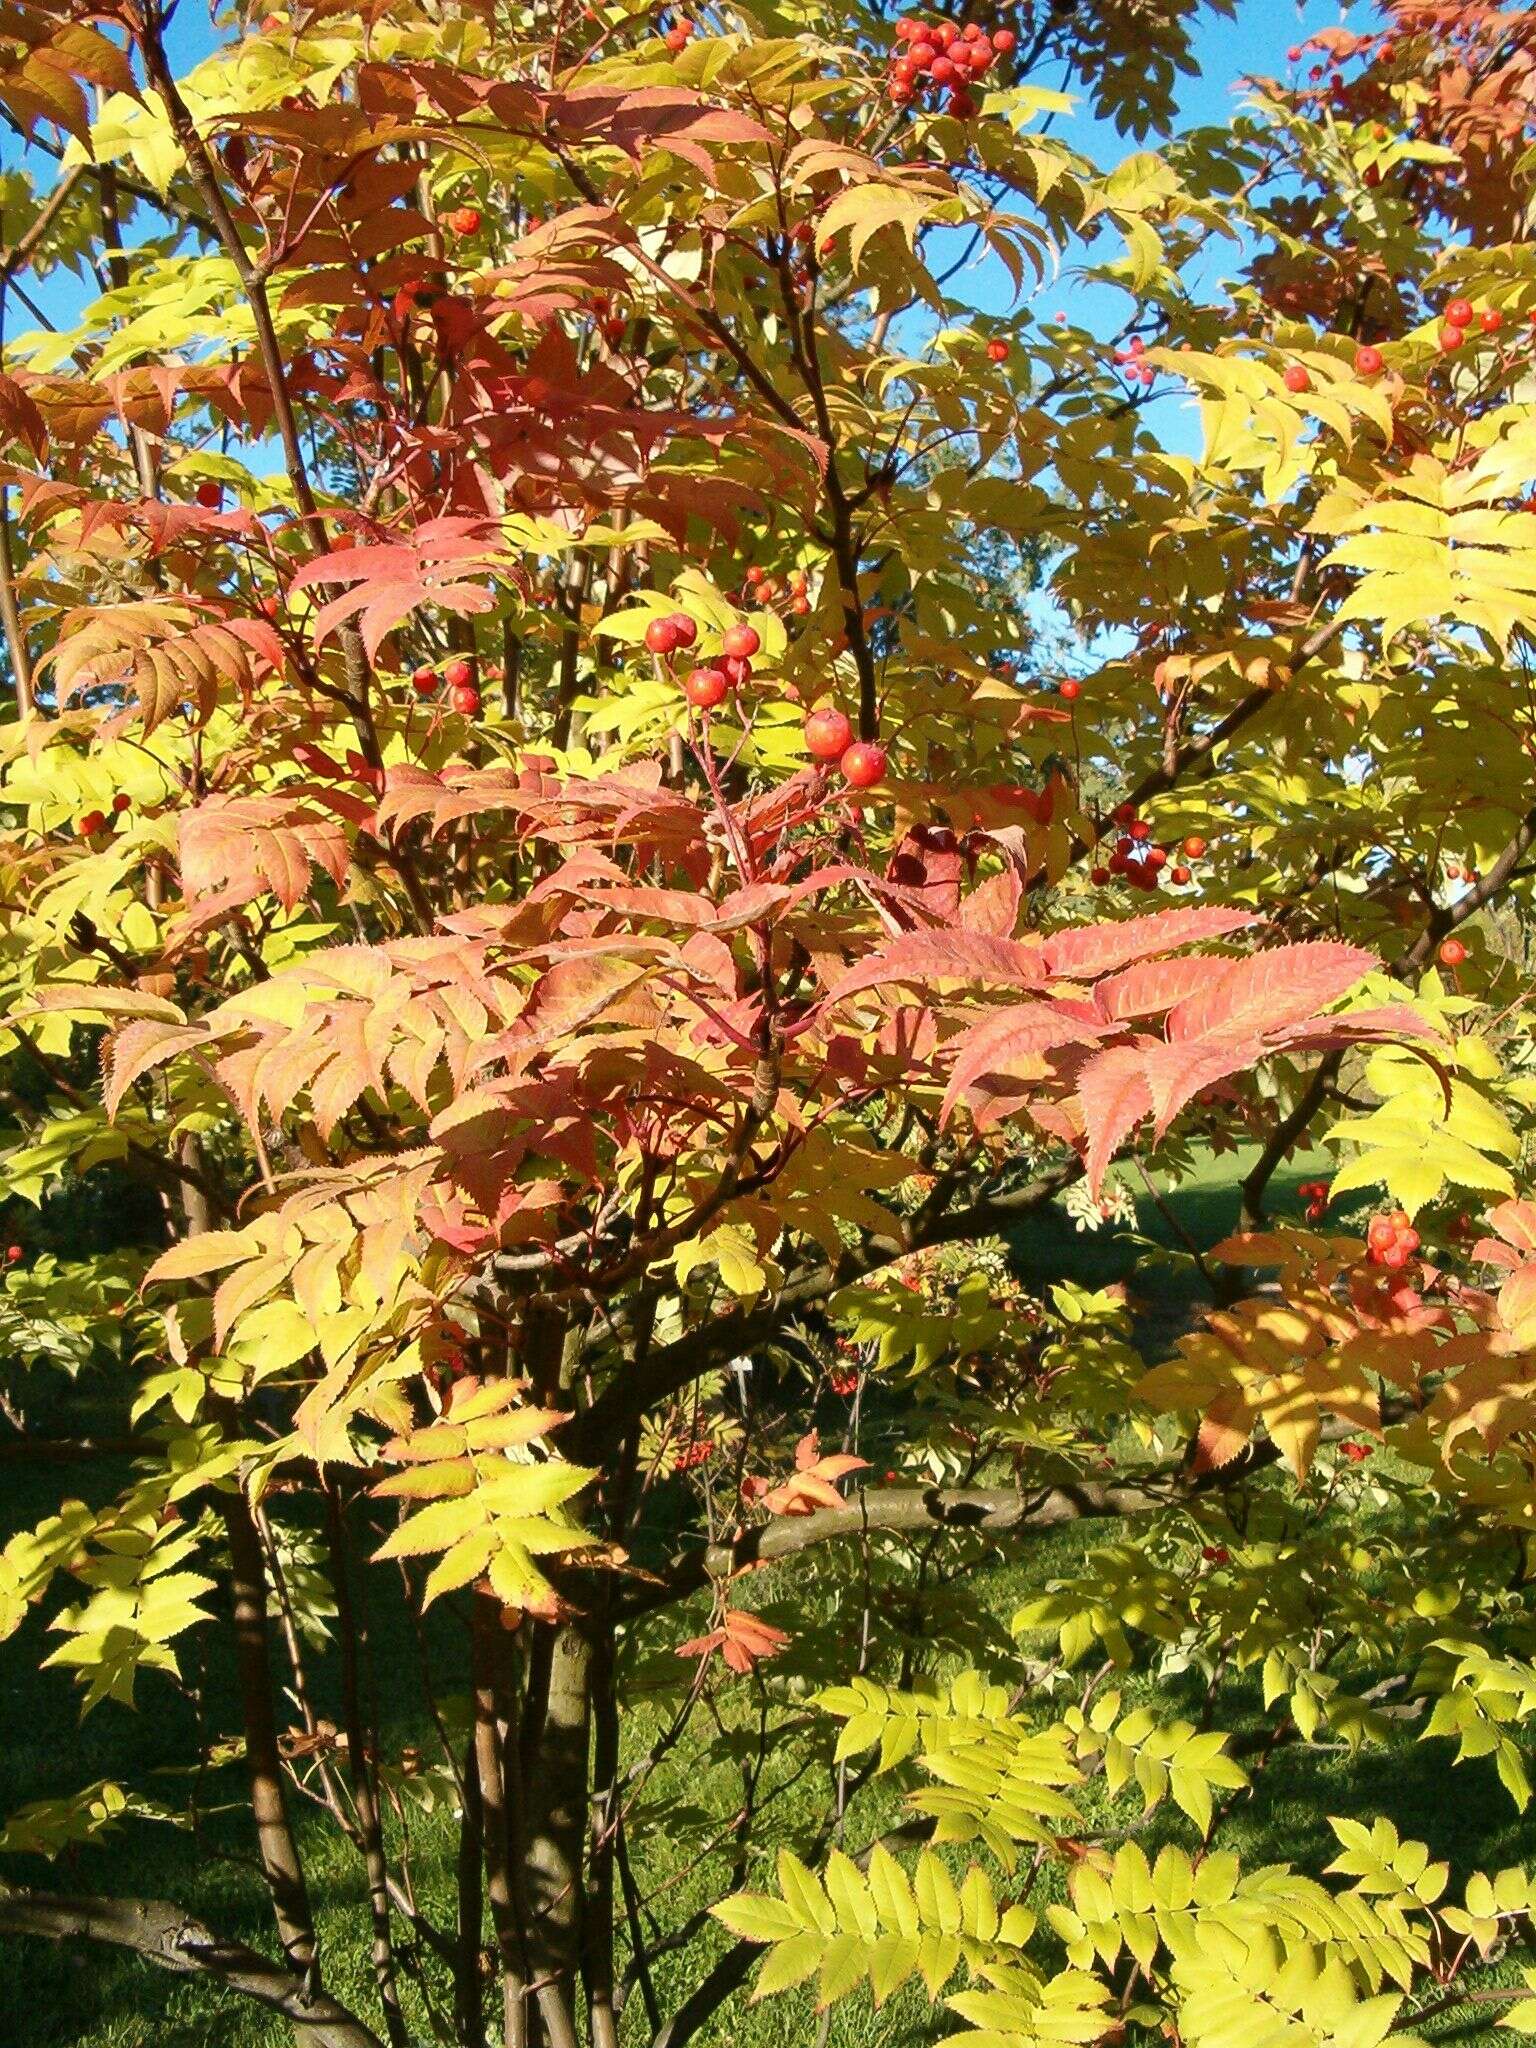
[{"x": 559, "y": 911}]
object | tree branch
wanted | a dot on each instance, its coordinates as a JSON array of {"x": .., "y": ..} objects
[{"x": 163, "y": 1934}]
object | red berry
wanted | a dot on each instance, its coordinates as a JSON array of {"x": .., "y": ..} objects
[
  {"x": 459, "y": 672},
  {"x": 705, "y": 688},
  {"x": 14, "y": 1255},
  {"x": 465, "y": 699},
  {"x": 1380, "y": 1232},
  {"x": 91, "y": 823},
  {"x": 1490, "y": 320},
  {"x": 741, "y": 642},
  {"x": 661, "y": 636},
  {"x": 738, "y": 671},
  {"x": 1452, "y": 953},
  {"x": 756, "y": 573},
  {"x": 922, "y": 54},
  {"x": 944, "y": 33},
  {"x": 677, "y": 40},
  {"x": 1395, "y": 1256},
  {"x": 685, "y": 629},
  {"x": 1099, "y": 877},
  {"x": 1180, "y": 875},
  {"x": 424, "y": 681},
  {"x": 942, "y": 70},
  {"x": 1451, "y": 338},
  {"x": 465, "y": 220},
  {"x": 1296, "y": 377},
  {"x": 122, "y": 802},
  {"x": 828, "y": 734},
  {"x": 1369, "y": 361},
  {"x": 1408, "y": 1240},
  {"x": 210, "y": 496},
  {"x": 863, "y": 764},
  {"x": 1156, "y": 857},
  {"x": 1459, "y": 313},
  {"x": 1141, "y": 831},
  {"x": 1071, "y": 690},
  {"x": 1004, "y": 41},
  {"x": 998, "y": 350},
  {"x": 1124, "y": 814},
  {"x": 1194, "y": 846},
  {"x": 1216, "y": 1553}
]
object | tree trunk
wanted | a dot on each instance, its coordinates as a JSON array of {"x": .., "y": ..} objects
[
  {"x": 361, "y": 1768},
  {"x": 490, "y": 1754},
  {"x": 278, "y": 1851},
  {"x": 554, "y": 1857}
]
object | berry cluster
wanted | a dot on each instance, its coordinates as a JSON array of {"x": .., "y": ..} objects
[
  {"x": 665, "y": 636},
  {"x": 829, "y": 737},
  {"x": 1457, "y": 323},
  {"x": 1132, "y": 359},
  {"x": 679, "y": 36},
  {"x": 611, "y": 321},
  {"x": 1136, "y": 860},
  {"x": 844, "y": 1383},
  {"x": 92, "y": 822},
  {"x": 698, "y": 1451},
  {"x": 942, "y": 54},
  {"x": 793, "y": 594},
  {"x": 706, "y": 687},
  {"x": 1315, "y": 1194},
  {"x": 1391, "y": 1240},
  {"x": 1216, "y": 1553},
  {"x": 1357, "y": 1453},
  {"x": 458, "y": 677}
]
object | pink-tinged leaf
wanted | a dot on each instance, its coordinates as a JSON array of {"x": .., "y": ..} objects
[
  {"x": 1389, "y": 1024},
  {"x": 1095, "y": 949},
  {"x": 1115, "y": 1097},
  {"x": 994, "y": 906},
  {"x": 933, "y": 956},
  {"x": 1175, "y": 1073},
  {"x": 140, "y": 1047},
  {"x": 1267, "y": 991},
  {"x": 1515, "y": 1223},
  {"x": 236, "y": 847},
  {"x": 445, "y": 563},
  {"x": 1152, "y": 986},
  {"x": 1014, "y": 1034}
]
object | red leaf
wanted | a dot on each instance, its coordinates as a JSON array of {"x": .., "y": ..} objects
[
  {"x": 1096, "y": 949},
  {"x": 1014, "y": 1034},
  {"x": 1115, "y": 1097},
  {"x": 1153, "y": 985},
  {"x": 1269, "y": 990},
  {"x": 945, "y": 956}
]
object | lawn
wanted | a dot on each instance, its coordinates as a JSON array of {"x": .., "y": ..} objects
[{"x": 92, "y": 1998}]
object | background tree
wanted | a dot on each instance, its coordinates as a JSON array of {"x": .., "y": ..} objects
[{"x": 529, "y": 849}]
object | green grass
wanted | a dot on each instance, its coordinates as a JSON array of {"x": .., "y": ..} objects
[{"x": 94, "y": 1998}]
